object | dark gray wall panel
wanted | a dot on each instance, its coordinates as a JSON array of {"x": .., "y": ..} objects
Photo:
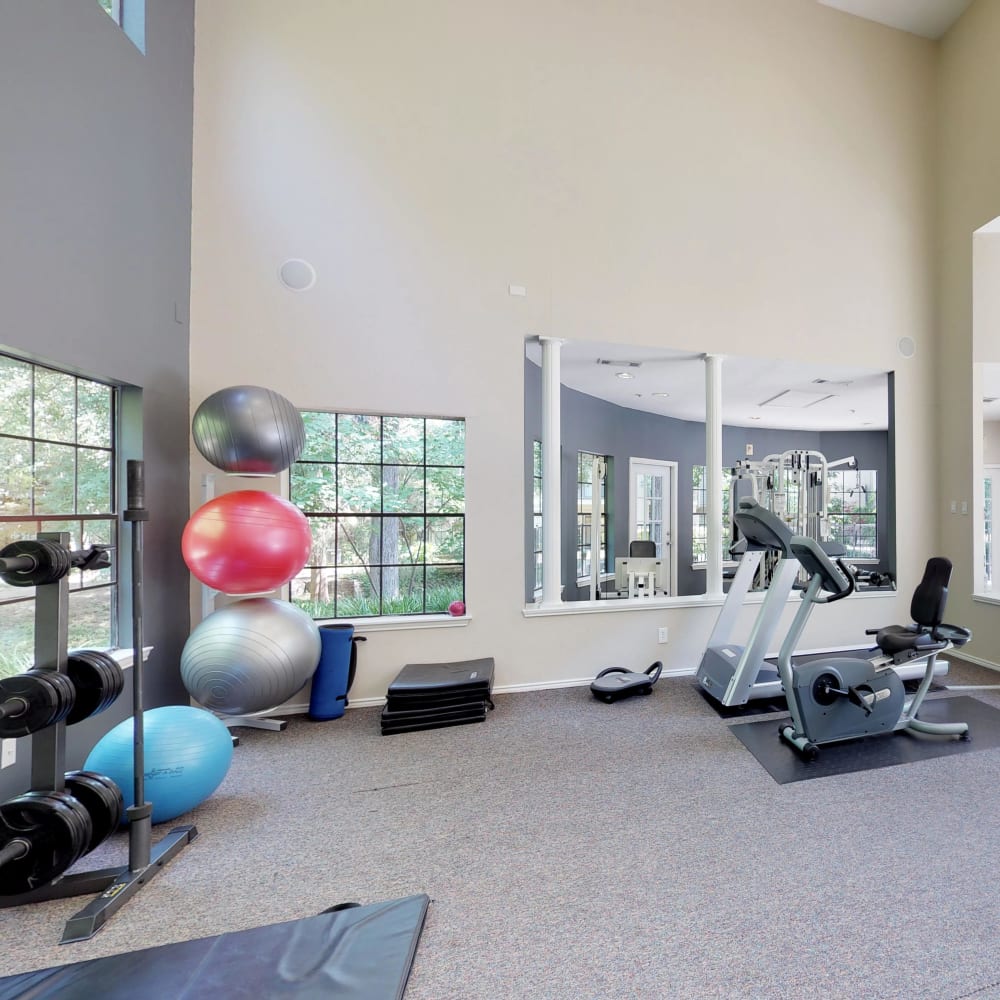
[{"x": 95, "y": 252}]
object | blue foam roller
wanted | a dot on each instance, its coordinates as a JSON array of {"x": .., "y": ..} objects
[{"x": 333, "y": 676}]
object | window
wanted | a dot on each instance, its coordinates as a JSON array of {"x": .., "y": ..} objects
[
  {"x": 113, "y": 8},
  {"x": 699, "y": 524},
  {"x": 584, "y": 513},
  {"x": 853, "y": 512},
  {"x": 130, "y": 16},
  {"x": 385, "y": 499},
  {"x": 990, "y": 481},
  {"x": 536, "y": 507},
  {"x": 57, "y": 473}
]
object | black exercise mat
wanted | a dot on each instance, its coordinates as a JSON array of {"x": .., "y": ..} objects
[
  {"x": 361, "y": 953},
  {"x": 395, "y": 703},
  {"x": 430, "y": 714},
  {"x": 392, "y": 728},
  {"x": 785, "y": 765},
  {"x": 416, "y": 679}
]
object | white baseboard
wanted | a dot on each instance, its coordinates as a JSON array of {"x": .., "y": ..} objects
[
  {"x": 978, "y": 661},
  {"x": 379, "y": 701}
]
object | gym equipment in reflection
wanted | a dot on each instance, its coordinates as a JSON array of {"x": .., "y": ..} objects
[
  {"x": 614, "y": 683},
  {"x": 46, "y": 830},
  {"x": 641, "y": 574},
  {"x": 793, "y": 485},
  {"x": 842, "y": 698}
]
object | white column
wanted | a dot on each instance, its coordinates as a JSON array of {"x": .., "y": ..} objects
[
  {"x": 551, "y": 472},
  {"x": 713, "y": 474}
]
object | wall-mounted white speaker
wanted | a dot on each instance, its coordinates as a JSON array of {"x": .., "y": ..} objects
[
  {"x": 297, "y": 275},
  {"x": 907, "y": 347}
]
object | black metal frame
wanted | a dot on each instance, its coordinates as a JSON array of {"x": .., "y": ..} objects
[{"x": 115, "y": 886}]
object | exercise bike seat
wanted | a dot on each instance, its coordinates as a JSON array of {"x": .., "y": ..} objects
[
  {"x": 613, "y": 683},
  {"x": 927, "y": 633}
]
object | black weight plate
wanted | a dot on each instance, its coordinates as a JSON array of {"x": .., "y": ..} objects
[
  {"x": 108, "y": 790},
  {"x": 103, "y": 806},
  {"x": 116, "y": 678},
  {"x": 52, "y": 562},
  {"x": 42, "y": 703},
  {"x": 112, "y": 671},
  {"x": 98, "y": 680},
  {"x": 74, "y": 810},
  {"x": 89, "y": 681},
  {"x": 61, "y": 688},
  {"x": 67, "y": 692},
  {"x": 115, "y": 796},
  {"x": 52, "y": 830}
]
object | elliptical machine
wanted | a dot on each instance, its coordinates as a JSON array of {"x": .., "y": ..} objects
[{"x": 834, "y": 699}]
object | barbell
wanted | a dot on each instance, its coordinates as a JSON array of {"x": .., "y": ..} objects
[{"x": 34, "y": 562}]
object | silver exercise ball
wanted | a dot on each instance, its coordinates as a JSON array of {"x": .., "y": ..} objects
[
  {"x": 250, "y": 656},
  {"x": 249, "y": 429}
]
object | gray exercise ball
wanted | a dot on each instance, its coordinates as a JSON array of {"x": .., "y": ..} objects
[
  {"x": 250, "y": 656},
  {"x": 249, "y": 429}
]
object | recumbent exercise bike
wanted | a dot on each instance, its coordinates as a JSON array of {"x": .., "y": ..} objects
[{"x": 843, "y": 698}]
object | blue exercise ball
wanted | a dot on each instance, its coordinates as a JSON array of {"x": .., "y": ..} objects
[
  {"x": 187, "y": 754},
  {"x": 249, "y": 429}
]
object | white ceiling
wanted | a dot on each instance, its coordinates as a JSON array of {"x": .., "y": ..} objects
[
  {"x": 852, "y": 398},
  {"x": 929, "y": 18}
]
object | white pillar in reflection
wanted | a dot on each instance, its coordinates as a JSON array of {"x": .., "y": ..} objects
[
  {"x": 551, "y": 472},
  {"x": 713, "y": 474}
]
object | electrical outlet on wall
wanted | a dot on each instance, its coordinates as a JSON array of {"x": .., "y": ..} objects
[
  {"x": 8, "y": 752},
  {"x": 661, "y": 635}
]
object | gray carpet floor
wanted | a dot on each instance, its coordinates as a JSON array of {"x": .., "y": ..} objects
[{"x": 574, "y": 849}]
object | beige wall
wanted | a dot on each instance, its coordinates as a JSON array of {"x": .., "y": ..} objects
[
  {"x": 723, "y": 176},
  {"x": 991, "y": 443},
  {"x": 969, "y": 149}
]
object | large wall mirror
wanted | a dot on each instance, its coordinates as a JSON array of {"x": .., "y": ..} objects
[
  {"x": 989, "y": 482},
  {"x": 811, "y": 440},
  {"x": 986, "y": 396}
]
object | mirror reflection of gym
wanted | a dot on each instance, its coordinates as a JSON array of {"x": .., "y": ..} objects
[
  {"x": 810, "y": 441},
  {"x": 989, "y": 486}
]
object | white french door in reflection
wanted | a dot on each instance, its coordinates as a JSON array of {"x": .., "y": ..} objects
[{"x": 652, "y": 504}]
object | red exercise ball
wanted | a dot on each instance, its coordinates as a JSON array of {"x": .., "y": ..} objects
[{"x": 247, "y": 542}]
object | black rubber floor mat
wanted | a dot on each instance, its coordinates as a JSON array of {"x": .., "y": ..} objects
[
  {"x": 358, "y": 953},
  {"x": 785, "y": 765}
]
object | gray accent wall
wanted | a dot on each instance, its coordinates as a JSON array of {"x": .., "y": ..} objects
[
  {"x": 591, "y": 424},
  {"x": 95, "y": 260}
]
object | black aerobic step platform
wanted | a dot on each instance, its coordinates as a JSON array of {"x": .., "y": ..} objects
[{"x": 433, "y": 695}]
